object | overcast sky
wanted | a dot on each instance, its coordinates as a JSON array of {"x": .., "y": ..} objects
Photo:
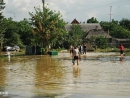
[{"x": 71, "y": 9}]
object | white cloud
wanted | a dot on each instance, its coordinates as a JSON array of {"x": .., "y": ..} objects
[
  {"x": 70, "y": 9},
  {"x": 92, "y": 14}
]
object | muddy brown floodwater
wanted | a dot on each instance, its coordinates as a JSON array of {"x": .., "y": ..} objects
[{"x": 45, "y": 76}]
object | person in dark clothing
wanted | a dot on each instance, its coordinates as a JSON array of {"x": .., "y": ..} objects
[
  {"x": 71, "y": 49},
  {"x": 84, "y": 49},
  {"x": 81, "y": 49}
]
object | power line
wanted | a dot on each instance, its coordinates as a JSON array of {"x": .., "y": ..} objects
[
  {"x": 96, "y": 6},
  {"x": 72, "y": 11}
]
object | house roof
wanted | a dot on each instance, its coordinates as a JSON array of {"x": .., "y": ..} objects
[
  {"x": 85, "y": 27},
  {"x": 75, "y": 21},
  {"x": 97, "y": 32}
]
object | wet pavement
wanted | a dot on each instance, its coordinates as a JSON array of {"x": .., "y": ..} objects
[{"x": 98, "y": 75}]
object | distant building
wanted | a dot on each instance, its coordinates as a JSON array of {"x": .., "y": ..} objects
[
  {"x": 91, "y": 29},
  {"x": 75, "y": 21},
  {"x": 95, "y": 30},
  {"x": 98, "y": 32},
  {"x": 85, "y": 26}
]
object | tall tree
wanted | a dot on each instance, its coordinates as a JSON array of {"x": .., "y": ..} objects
[
  {"x": 75, "y": 35},
  {"x": 11, "y": 36},
  {"x": 25, "y": 32},
  {"x": 47, "y": 27},
  {"x": 125, "y": 23},
  {"x": 2, "y": 6},
  {"x": 92, "y": 20},
  {"x": 117, "y": 30},
  {"x": 2, "y": 29}
]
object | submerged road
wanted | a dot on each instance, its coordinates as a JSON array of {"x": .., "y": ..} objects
[{"x": 99, "y": 75}]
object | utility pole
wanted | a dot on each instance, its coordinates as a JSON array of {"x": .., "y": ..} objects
[
  {"x": 110, "y": 12},
  {"x": 43, "y": 1},
  {"x": 110, "y": 20}
]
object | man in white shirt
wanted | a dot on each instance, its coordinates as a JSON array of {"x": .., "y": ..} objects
[{"x": 76, "y": 55}]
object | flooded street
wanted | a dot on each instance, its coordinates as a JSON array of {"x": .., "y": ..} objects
[{"x": 55, "y": 77}]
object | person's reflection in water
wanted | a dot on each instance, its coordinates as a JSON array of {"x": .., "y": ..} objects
[
  {"x": 76, "y": 71},
  {"x": 8, "y": 53},
  {"x": 122, "y": 60},
  {"x": 84, "y": 56}
]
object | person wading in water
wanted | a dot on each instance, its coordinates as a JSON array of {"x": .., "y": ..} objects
[
  {"x": 121, "y": 50},
  {"x": 76, "y": 55}
]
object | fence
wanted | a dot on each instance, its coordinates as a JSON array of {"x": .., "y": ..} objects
[{"x": 126, "y": 45}]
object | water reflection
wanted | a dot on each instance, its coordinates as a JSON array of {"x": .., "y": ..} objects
[
  {"x": 121, "y": 59},
  {"x": 2, "y": 73},
  {"x": 35, "y": 74},
  {"x": 44, "y": 76},
  {"x": 49, "y": 74},
  {"x": 76, "y": 71},
  {"x": 84, "y": 56}
]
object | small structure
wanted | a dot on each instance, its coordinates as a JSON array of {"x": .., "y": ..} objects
[
  {"x": 98, "y": 32},
  {"x": 33, "y": 50},
  {"x": 85, "y": 26},
  {"x": 53, "y": 53},
  {"x": 75, "y": 21},
  {"x": 37, "y": 50},
  {"x": 116, "y": 42}
]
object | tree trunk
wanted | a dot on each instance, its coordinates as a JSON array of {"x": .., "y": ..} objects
[{"x": 46, "y": 50}]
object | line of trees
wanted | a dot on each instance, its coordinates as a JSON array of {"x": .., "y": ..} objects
[
  {"x": 117, "y": 29},
  {"x": 48, "y": 28}
]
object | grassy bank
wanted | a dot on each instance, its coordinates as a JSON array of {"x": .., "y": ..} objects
[{"x": 126, "y": 52}]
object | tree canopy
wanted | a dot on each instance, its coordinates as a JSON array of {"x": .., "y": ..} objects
[
  {"x": 92, "y": 20},
  {"x": 75, "y": 35},
  {"x": 117, "y": 29},
  {"x": 48, "y": 27}
]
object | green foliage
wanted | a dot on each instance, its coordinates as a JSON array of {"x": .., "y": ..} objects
[
  {"x": 125, "y": 23},
  {"x": 1, "y": 16},
  {"x": 101, "y": 42},
  {"x": 48, "y": 27},
  {"x": 98, "y": 41},
  {"x": 25, "y": 33},
  {"x": 11, "y": 36},
  {"x": 92, "y": 20},
  {"x": 75, "y": 35},
  {"x": 119, "y": 32},
  {"x": 117, "y": 29},
  {"x": 105, "y": 25},
  {"x": 2, "y": 30},
  {"x": 2, "y": 6},
  {"x": 15, "y": 33}
]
